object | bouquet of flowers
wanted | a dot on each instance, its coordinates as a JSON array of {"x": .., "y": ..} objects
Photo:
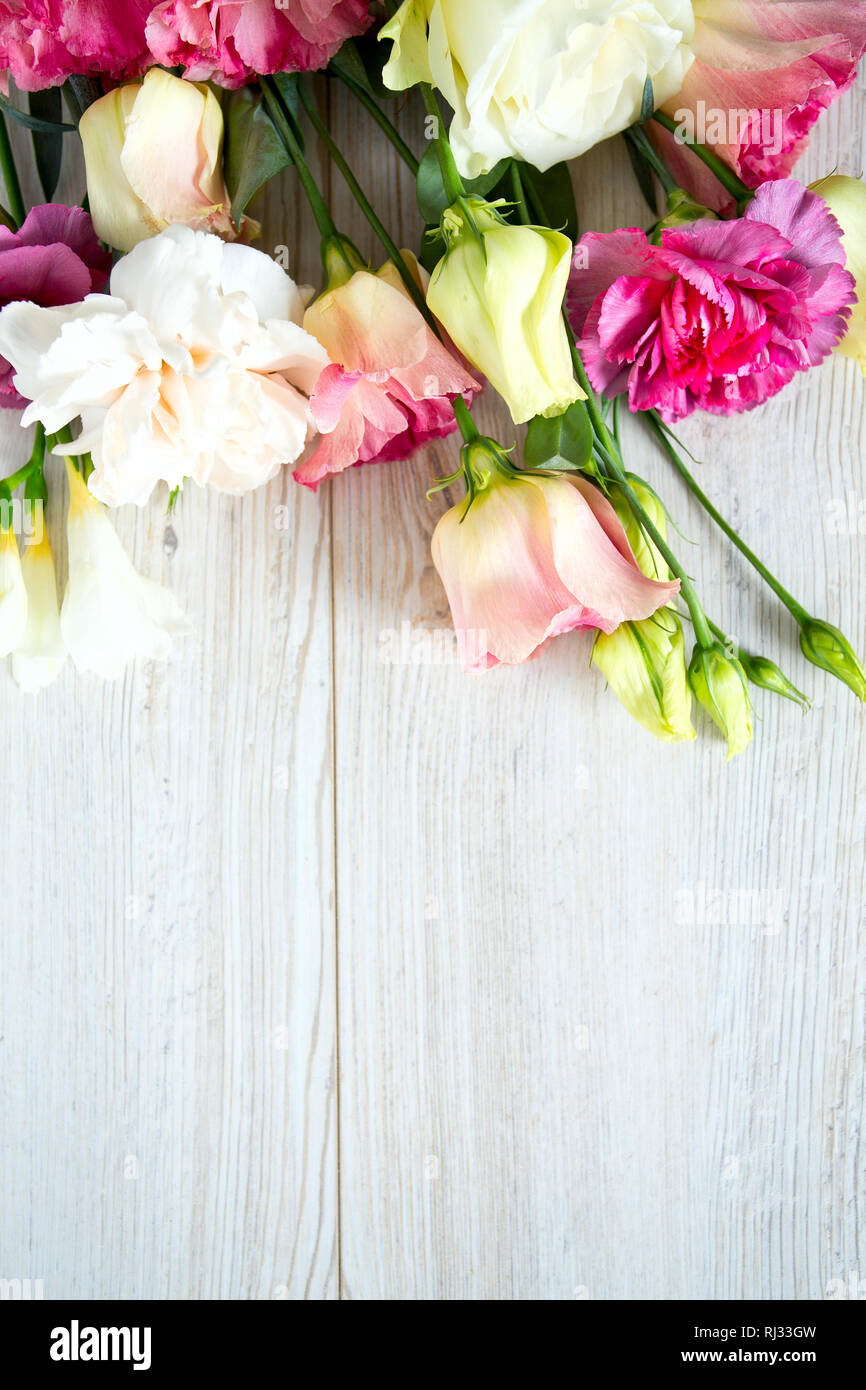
[{"x": 152, "y": 345}]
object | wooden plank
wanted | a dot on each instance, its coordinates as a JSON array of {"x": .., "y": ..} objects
[
  {"x": 168, "y": 985},
  {"x": 599, "y": 999}
]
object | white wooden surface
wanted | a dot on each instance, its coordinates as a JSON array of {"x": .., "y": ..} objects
[{"x": 325, "y": 977}]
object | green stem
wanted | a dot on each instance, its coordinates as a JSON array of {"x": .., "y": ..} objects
[
  {"x": 367, "y": 208},
  {"x": 723, "y": 172},
  {"x": 36, "y": 461},
  {"x": 610, "y": 457},
  {"x": 385, "y": 124},
  {"x": 794, "y": 608},
  {"x": 520, "y": 195},
  {"x": 639, "y": 142},
  {"x": 321, "y": 212},
  {"x": 10, "y": 175},
  {"x": 464, "y": 419},
  {"x": 450, "y": 173}
]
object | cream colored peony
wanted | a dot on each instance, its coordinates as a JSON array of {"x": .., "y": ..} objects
[{"x": 195, "y": 365}]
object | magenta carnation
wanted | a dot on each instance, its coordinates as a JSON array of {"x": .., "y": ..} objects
[
  {"x": 231, "y": 41},
  {"x": 722, "y": 314},
  {"x": 42, "y": 42},
  {"x": 54, "y": 259}
]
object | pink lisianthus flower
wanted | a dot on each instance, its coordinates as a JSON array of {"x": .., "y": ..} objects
[
  {"x": 55, "y": 258},
  {"x": 764, "y": 71},
  {"x": 231, "y": 41},
  {"x": 42, "y": 42},
  {"x": 721, "y": 315},
  {"x": 535, "y": 557},
  {"x": 391, "y": 383}
]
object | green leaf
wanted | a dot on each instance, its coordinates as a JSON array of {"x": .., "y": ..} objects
[
  {"x": 286, "y": 84},
  {"x": 432, "y": 248},
  {"x": 564, "y": 442},
  {"x": 372, "y": 57},
  {"x": 254, "y": 151},
  {"x": 47, "y": 106},
  {"x": 550, "y": 197},
  {"x": 648, "y": 105},
  {"x": 430, "y": 190},
  {"x": 349, "y": 63},
  {"x": 30, "y": 121}
]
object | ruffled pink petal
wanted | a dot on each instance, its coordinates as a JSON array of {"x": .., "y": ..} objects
[
  {"x": 42, "y": 42},
  {"x": 602, "y": 257},
  {"x": 231, "y": 42}
]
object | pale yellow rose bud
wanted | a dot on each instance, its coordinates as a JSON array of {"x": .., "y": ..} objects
[
  {"x": 498, "y": 291},
  {"x": 153, "y": 152}
]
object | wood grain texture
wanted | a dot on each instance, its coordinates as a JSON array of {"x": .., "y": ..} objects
[
  {"x": 168, "y": 987},
  {"x": 598, "y": 1005}
]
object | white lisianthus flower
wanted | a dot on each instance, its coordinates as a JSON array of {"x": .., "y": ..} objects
[
  {"x": 542, "y": 80},
  {"x": 195, "y": 365},
  {"x": 13, "y": 594},
  {"x": 39, "y": 656},
  {"x": 111, "y": 613}
]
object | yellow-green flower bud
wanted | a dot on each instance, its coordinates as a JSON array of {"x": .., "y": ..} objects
[
  {"x": 645, "y": 666},
  {"x": 720, "y": 687},
  {"x": 825, "y": 646},
  {"x": 498, "y": 291}
]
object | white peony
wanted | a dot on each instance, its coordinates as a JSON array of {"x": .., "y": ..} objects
[
  {"x": 111, "y": 613},
  {"x": 542, "y": 80},
  {"x": 194, "y": 366}
]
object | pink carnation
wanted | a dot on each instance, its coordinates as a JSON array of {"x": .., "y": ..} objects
[
  {"x": 231, "y": 41},
  {"x": 391, "y": 381},
  {"x": 787, "y": 59},
  {"x": 721, "y": 315},
  {"x": 42, "y": 42},
  {"x": 54, "y": 259}
]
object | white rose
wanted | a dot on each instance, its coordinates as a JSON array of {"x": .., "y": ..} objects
[
  {"x": 542, "y": 80},
  {"x": 194, "y": 366}
]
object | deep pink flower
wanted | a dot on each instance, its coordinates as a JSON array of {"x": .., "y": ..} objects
[
  {"x": 789, "y": 59},
  {"x": 391, "y": 383},
  {"x": 54, "y": 259},
  {"x": 230, "y": 41},
  {"x": 42, "y": 42},
  {"x": 722, "y": 314}
]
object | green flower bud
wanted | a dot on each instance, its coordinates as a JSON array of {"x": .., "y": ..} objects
[
  {"x": 766, "y": 674},
  {"x": 645, "y": 666},
  {"x": 648, "y": 557},
  {"x": 720, "y": 687},
  {"x": 682, "y": 209},
  {"x": 341, "y": 260},
  {"x": 825, "y": 646}
]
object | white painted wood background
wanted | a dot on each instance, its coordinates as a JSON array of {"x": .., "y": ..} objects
[{"x": 326, "y": 978}]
